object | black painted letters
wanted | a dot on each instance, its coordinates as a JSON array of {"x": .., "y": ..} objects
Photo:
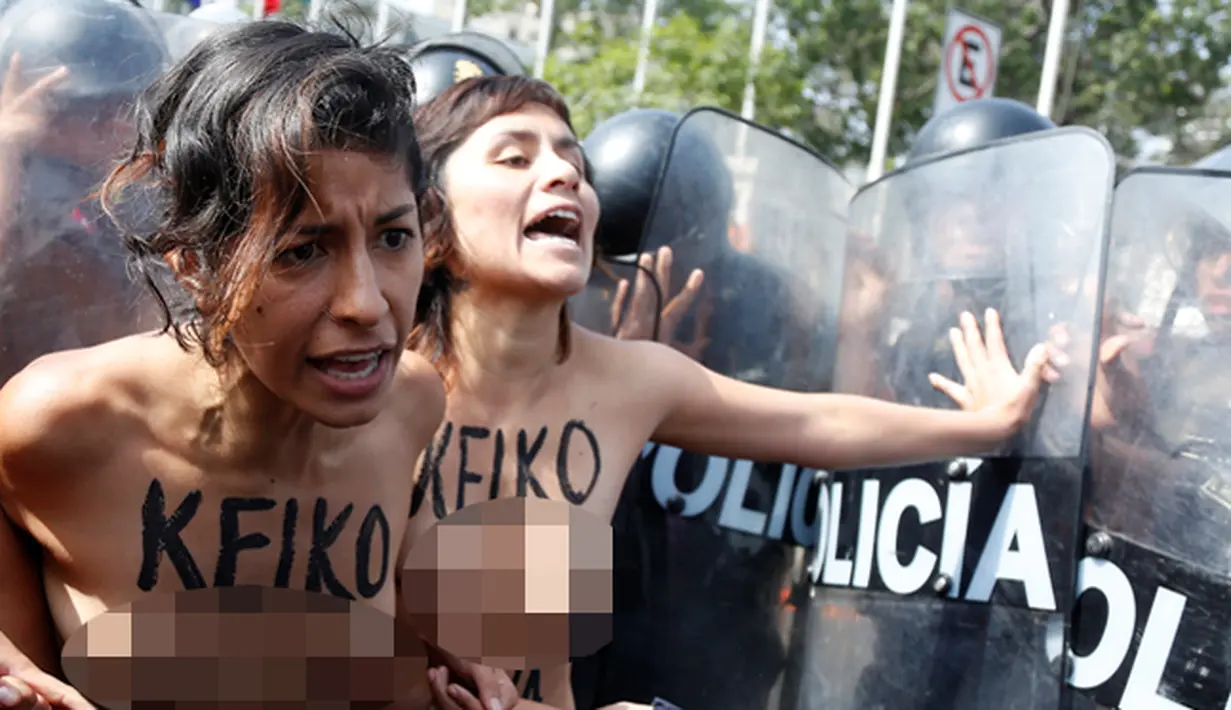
[
  {"x": 465, "y": 434},
  {"x": 528, "y": 450},
  {"x": 286, "y": 557},
  {"x": 562, "y": 468},
  {"x": 232, "y": 542},
  {"x": 429, "y": 476},
  {"x": 497, "y": 465},
  {"x": 363, "y": 553},
  {"x": 160, "y": 532},
  {"x": 525, "y": 457},
  {"x": 320, "y": 569},
  {"x": 163, "y": 533}
]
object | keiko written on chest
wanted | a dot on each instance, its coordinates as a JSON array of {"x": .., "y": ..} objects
[
  {"x": 573, "y": 438},
  {"x": 162, "y": 527}
]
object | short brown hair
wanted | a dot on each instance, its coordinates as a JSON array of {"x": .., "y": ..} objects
[
  {"x": 443, "y": 125},
  {"x": 222, "y": 145}
]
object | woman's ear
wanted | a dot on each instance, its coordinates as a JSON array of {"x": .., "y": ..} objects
[{"x": 187, "y": 267}]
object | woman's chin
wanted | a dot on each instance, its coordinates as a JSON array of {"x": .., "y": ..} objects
[{"x": 563, "y": 282}]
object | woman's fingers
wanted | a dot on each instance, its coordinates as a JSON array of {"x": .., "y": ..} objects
[{"x": 955, "y": 391}]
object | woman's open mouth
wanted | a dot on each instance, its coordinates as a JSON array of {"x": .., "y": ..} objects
[
  {"x": 354, "y": 374},
  {"x": 559, "y": 225},
  {"x": 350, "y": 367}
]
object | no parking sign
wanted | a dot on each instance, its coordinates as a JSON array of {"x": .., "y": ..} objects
[{"x": 969, "y": 60}]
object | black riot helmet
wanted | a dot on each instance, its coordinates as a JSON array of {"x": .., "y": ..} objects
[
  {"x": 975, "y": 123},
  {"x": 441, "y": 62},
  {"x": 111, "y": 49},
  {"x": 626, "y": 155}
]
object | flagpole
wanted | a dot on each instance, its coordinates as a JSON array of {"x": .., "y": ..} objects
[
  {"x": 546, "y": 17},
  {"x": 648, "y": 14},
  {"x": 760, "y": 26},
  {"x": 459, "y": 16},
  {"x": 382, "y": 19},
  {"x": 889, "y": 85},
  {"x": 1051, "y": 57}
]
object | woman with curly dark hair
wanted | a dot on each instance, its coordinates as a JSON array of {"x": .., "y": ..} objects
[{"x": 285, "y": 250}]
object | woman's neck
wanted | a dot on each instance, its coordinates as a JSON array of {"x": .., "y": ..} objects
[
  {"x": 506, "y": 348},
  {"x": 247, "y": 427}
]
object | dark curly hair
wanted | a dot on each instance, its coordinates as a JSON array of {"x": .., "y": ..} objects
[{"x": 222, "y": 148}]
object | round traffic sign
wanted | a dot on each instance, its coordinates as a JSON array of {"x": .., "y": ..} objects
[{"x": 970, "y": 67}]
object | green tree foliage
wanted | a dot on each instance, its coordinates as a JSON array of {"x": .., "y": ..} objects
[
  {"x": 1129, "y": 66},
  {"x": 692, "y": 63}
]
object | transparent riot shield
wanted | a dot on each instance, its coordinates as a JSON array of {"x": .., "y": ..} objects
[
  {"x": 707, "y": 549},
  {"x": 1152, "y": 626},
  {"x": 63, "y": 277},
  {"x": 942, "y": 585},
  {"x": 1218, "y": 160},
  {"x": 183, "y": 32}
]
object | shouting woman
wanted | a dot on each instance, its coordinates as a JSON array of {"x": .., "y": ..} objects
[
  {"x": 537, "y": 405},
  {"x": 287, "y": 255}
]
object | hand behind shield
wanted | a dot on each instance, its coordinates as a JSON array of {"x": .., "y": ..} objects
[
  {"x": 1119, "y": 331},
  {"x": 991, "y": 383},
  {"x": 638, "y": 323},
  {"x": 23, "y": 109}
]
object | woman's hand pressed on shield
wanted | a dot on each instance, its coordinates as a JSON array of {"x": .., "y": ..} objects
[
  {"x": 990, "y": 381},
  {"x": 705, "y": 411},
  {"x": 23, "y": 109},
  {"x": 637, "y": 323}
]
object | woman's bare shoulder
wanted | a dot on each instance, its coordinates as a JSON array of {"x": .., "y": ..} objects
[
  {"x": 644, "y": 362},
  {"x": 65, "y": 406}
]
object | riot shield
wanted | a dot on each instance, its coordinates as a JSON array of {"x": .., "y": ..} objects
[
  {"x": 942, "y": 585},
  {"x": 183, "y": 32},
  {"x": 1151, "y": 627},
  {"x": 63, "y": 277},
  {"x": 1218, "y": 160},
  {"x": 707, "y": 548}
]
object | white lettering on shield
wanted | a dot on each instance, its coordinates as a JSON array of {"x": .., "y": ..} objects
[
  {"x": 1116, "y": 640},
  {"x": 1013, "y": 551},
  {"x": 730, "y": 481}
]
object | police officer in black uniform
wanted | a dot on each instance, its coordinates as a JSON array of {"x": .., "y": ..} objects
[{"x": 63, "y": 281}]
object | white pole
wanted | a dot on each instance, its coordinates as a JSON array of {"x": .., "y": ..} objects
[
  {"x": 546, "y": 16},
  {"x": 315, "y": 7},
  {"x": 258, "y": 9},
  {"x": 1051, "y": 56},
  {"x": 648, "y": 14},
  {"x": 459, "y": 16},
  {"x": 889, "y": 85},
  {"x": 760, "y": 25},
  {"x": 382, "y": 19}
]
